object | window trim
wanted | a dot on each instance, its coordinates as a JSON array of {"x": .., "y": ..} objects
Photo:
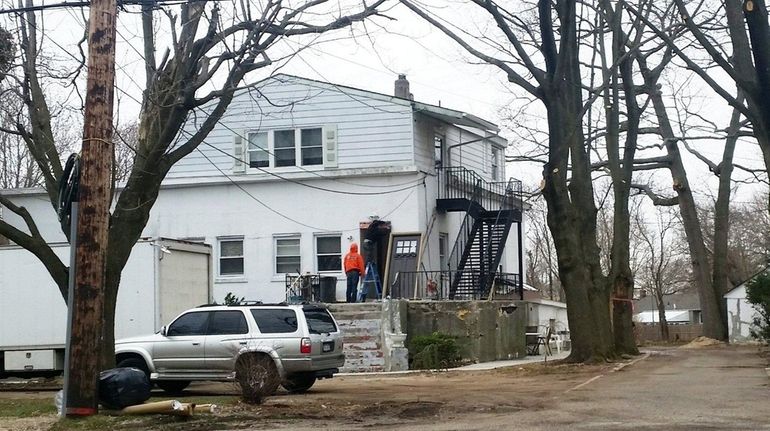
[
  {"x": 271, "y": 150},
  {"x": 296, "y": 236},
  {"x": 267, "y": 150},
  {"x": 221, "y": 239},
  {"x": 316, "y": 254}
]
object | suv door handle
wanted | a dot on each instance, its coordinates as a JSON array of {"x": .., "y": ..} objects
[{"x": 196, "y": 343}]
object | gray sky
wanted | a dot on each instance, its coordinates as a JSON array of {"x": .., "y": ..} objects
[{"x": 438, "y": 70}]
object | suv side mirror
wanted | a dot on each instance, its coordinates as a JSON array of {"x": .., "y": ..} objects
[{"x": 163, "y": 330}]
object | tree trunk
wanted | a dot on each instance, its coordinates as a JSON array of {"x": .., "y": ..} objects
[
  {"x": 663, "y": 323},
  {"x": 572, "y": 221},
  {"x": 711, "y": 303}
]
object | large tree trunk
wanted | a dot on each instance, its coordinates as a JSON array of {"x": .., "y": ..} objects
[
  {"x": 661, "y": 306},
  {"x": 710, "y": 300},
  {"x": 572, "y": 221}
]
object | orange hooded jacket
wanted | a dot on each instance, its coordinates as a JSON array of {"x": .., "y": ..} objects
[{"x": 353, "y": 260}]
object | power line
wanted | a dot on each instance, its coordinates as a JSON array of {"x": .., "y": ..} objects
[
  {"x": 326, "y": 177},
  {"x": 73, "y": 4},
  {"x": 278, "y": 213},
  {"x": 291, "y": 180}
]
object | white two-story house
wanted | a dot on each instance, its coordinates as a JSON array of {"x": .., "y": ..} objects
[{"x": 298, "y": 169}]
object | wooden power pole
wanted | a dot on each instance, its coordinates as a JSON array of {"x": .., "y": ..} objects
[{"x": 87, "y": 296}]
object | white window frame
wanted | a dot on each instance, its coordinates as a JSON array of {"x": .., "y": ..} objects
[
  {"x": 316, "y": 255},
  {"x": 222, "y": 239},
  {"x": 320, "y": 146},
  {"x": 249, "y": 148},
  {"x": 271, "y": 150},
  {"x": 277, "y": 238}
]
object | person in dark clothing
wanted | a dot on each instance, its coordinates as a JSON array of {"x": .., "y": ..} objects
[{"x": 354, "y": 271}]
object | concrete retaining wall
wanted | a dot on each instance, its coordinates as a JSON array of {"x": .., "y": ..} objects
[{"x": 485, "y": 330}]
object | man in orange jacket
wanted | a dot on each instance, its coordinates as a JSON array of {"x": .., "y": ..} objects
[{"x": 354, "y": 271}]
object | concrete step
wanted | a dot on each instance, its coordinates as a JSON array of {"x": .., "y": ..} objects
[
  {"x": 357, "y": 307},
  {"x": 355, "y": 316}
]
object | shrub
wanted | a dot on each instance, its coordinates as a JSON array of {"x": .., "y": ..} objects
[
  {"x": 231, "y": 299},
  {"x": 434, "y": 351},
  {"x": 758, "y": 294}
]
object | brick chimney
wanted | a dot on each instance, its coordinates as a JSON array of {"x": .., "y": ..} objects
[{"x": 402, "y": 88}]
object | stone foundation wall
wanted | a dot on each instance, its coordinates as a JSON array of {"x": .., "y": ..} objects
[{"x": 485, "y": 330}]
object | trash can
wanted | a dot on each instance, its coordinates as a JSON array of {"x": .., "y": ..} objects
[{"x": 328, "y": 289}]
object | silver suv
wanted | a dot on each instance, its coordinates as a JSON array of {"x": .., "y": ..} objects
[{"x": 292, "y": 344}]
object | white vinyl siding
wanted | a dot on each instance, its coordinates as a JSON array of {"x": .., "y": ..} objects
[{"x": 366, "y": 133}]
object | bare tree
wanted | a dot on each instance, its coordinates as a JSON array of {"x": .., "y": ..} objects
[
  {"x": 661, "y": 261},
  {"x": 733, "y": 35},
  {"x": 212, "y": 49},
  {"x": 538, "y": 46},
  {"x": 542, "y": 270}
]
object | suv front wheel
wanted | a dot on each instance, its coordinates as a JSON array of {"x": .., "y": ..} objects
[
  {"x": 299, "y": 383},
  {"x": 257, "y": 375}
]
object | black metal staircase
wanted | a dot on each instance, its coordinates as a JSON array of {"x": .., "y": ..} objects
[{"x": 491, "y": 209}]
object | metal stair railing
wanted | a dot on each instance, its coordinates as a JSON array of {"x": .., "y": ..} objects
[
  {"x": 491, "y": 255},
  {"x": 459, "y": 182}
]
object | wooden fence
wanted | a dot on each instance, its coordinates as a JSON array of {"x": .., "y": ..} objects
[{"x": 651, "y": 332}]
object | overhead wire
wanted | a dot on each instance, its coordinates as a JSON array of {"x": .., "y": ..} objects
[{"x": 280, "y": 214}]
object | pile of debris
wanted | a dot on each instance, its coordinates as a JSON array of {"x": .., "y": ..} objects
[{"x": 702, "y": 342}]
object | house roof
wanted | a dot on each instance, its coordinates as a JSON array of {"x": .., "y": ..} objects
[
  {"x": 672, "y": 316},
  {"x": 765, "y": 268},
  {"x": 451, "y": 116},
  {"x": 676, "y": 301}
]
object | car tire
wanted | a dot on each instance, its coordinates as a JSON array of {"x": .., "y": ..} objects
[
  {"x": 135, "y": 362},
  {"x": 257, "y": 375},
  {"x": 173, "y": 387},
  {"x": 299, "y": 383}
]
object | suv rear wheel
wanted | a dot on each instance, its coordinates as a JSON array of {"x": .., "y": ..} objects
[
  {"x": 257, "y": 375},
  {"x": 299, "y": 383},
  {"x": 173, "y": 387}
]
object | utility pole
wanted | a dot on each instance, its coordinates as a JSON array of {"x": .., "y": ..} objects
[{"x": 87, "y": 296}]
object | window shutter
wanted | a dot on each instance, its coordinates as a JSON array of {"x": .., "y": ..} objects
[
  {"x": 330, "y": 145},
  {"x": 238, "y": 155}
]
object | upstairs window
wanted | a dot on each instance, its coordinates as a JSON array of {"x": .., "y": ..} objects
[
  {"x": 284, "y": 149},
  {"x": 496, "y": 164},
  {"x": 259, "y": 156},
  {"x": 312, "y": 147},
  {"x": 290, "y": 147}
]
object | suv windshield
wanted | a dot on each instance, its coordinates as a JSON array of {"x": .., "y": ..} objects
[{"x": 319, "y": 321}]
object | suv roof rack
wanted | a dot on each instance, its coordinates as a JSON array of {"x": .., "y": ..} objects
[{"x": 245, "y": 303}]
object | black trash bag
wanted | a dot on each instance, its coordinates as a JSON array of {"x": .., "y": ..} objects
[{"x": 123, "y": 387}]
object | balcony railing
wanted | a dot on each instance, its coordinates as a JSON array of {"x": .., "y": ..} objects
[
  {"x": 462, "y": 183},
  {"x": 436, "y": 285}
]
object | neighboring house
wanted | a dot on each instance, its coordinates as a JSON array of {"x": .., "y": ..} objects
[
  {"x": 298, "y": 169},
  {"x": 680, "y": 308},
  {"x": 740, "y": 313}
]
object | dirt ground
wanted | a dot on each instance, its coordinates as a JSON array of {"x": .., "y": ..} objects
[{"x": 709, "y": 388}]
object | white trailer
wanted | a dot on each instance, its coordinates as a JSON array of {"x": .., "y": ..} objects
[{"x": 162, "y": 278}]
